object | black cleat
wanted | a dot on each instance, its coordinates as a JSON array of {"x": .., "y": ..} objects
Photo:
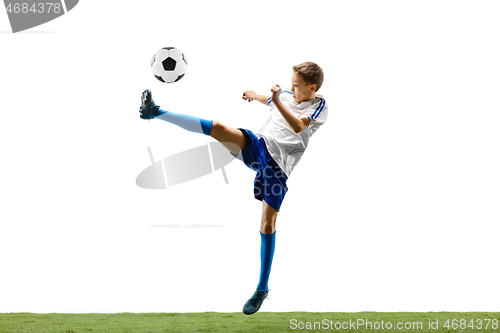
[
  {"x": 148, "y": 107},
  {"x": 254, "y": 303}
]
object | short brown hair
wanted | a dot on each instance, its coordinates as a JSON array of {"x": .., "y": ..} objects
[{"x": 310, "y": 73}]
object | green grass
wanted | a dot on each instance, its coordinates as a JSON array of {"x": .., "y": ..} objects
[{"x": 238, "y": 322}]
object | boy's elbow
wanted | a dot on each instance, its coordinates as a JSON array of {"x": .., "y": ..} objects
[
  {"x": 299, "y": 129},
  {"x": 303, "y": 124}
]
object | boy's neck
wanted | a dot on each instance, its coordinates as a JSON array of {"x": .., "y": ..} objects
[{"x": 313, "y": 96}]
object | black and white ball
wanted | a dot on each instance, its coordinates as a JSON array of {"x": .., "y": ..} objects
[{"x": 169, "y": 65}]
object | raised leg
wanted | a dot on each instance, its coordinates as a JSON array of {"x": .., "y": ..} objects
[{"x": 232, "y": 138}]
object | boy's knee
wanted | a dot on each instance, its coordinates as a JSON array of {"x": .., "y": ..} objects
[
  {"x": 268, "y": 226},
  {"x": 217, "y": 127}
]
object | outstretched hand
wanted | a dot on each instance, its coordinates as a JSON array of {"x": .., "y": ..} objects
[
  {"x": 249, "y": 95},
  {"x": 276, "y": 91}
]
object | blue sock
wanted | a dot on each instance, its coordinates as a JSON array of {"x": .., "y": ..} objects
[
  {"x": 189, "y": 123},
  {"x": 267, "y": 242}
]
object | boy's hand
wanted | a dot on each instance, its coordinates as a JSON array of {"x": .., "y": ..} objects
[
  {"x": 276, "y": 90},
  {"x": 249, "y": 95}
]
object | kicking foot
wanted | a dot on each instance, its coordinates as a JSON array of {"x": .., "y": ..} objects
[
  {"x": 148, "y": 107},
  {"x": 254, "y": 303}
]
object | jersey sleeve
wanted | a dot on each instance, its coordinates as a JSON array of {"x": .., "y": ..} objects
[
  {"x": 318, "y": 112},
  {"x": 285, "y": 95}
]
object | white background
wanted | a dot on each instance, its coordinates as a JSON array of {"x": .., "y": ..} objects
[{"x": 394, "y": 206}]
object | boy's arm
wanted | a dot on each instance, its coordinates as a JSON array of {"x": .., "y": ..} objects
[
  {"x": 250, "y": 95},
  {"x": 298, "y": 125}
]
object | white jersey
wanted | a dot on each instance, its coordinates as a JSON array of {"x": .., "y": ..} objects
[{"x": 285, "y": 146}]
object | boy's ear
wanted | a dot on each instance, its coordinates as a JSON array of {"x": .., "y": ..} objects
[{"x": 313, "y": 87}]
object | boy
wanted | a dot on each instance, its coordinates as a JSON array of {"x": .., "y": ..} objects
[{"x": 272, "y": 153}]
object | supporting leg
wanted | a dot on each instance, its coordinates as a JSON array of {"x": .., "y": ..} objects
[
  {"x": 267, "y": 234},
  {"x": 268, "y": 221},
  {"x": 268, "y": 239}
]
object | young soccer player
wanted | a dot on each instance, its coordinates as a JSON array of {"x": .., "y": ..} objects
[{"x": 272, "y": 153}]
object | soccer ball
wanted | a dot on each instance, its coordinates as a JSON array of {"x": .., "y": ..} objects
[{"x": 169, "y": 65}]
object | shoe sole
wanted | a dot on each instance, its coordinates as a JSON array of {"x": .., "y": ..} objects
[{"x": 144, "y": 106}]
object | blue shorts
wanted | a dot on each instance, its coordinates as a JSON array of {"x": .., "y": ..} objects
[{"x": 270, "y": 181}]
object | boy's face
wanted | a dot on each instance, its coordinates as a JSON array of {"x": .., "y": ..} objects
[{"x": 302, "y": 91}]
